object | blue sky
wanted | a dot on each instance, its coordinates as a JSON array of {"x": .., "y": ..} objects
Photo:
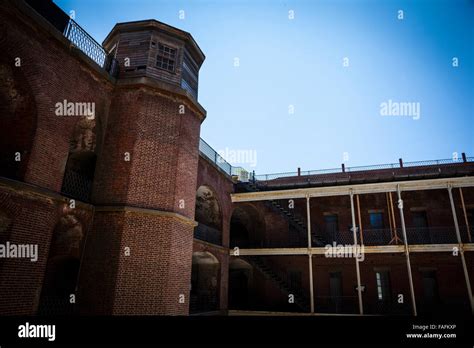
[{"x": 299, "y": 62}]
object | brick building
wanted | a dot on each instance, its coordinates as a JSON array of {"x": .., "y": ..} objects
[{"x": 103, "y": 168}]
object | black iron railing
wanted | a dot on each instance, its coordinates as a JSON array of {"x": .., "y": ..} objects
[
  {"x": 355, "y": 169},
  {"x": 76, "y": 35},
  {"x": 336, "y": 304},
  {"x": 415, "y": 235},
  {"x": 208, "y": 234},
  {"x": 77, "y": 186}
]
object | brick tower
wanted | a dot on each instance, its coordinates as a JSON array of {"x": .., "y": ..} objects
[{"x": 138, "y": 254}]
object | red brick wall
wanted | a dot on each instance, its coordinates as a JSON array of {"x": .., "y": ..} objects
[
  {"x": 52, "y": 74},
  {"x": 29, "y": 217}
]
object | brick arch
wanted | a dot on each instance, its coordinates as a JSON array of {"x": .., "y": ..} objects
[
  {"x": 205, "y": 282},
  {"x": 63, "y": 265},
  {"x": 208, "y": 207},
  {"x": 18, "y": 117},
  {"x": 247, "y": 226},
  {"x": 240, "y": 283}
]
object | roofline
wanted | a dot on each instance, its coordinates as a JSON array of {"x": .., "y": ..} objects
[{"x": 155, "y": 24}]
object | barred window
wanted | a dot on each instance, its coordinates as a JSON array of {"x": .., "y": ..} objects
[{"x": 166, "y": 58}]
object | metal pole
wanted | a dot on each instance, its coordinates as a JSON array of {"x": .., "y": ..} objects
[
  {"x": 354, "y": 228},
  {"x": 461, "y": 250},
  {"x": 311, "y": 290},
  {"x": 360, "y": 221},
  {"x": 407, "y": 252},
  {"x": 465, "y": 216}
]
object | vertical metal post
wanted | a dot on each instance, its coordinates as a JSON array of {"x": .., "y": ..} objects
[
  {"x": 311, "y": 290},
  {"x": 465, "y": 216},
  {"x": 354, "y": 228},
  {"x": 407, "y": 252},
  {"x": 461, "y": 250},
  {"x": 360, "y": 221}
]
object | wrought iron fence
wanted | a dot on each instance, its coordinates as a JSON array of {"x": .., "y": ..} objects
[
  {"x": 431, "y": 235},
  {"x": 380, "y": 236},
  {"x": 208, "y": 234},
  {"x": 77, "y": 186},
  {"x": 76, "y": 35},
  {"x": 415, "y": 235},
  {"x": 336, "y": 304}
]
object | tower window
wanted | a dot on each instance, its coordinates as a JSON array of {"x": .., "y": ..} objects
[{"x": 166, "y": 58}]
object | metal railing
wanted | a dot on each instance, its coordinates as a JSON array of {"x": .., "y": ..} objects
[
  {"x": 76, "y": 35},
  {"x": 77, "y": 186},
  {"x": 207, "y": 151},
  {"x": 336, "y": 304},
  {"x": 208, "y": 234},
  {"x": 341, "y": 170}
]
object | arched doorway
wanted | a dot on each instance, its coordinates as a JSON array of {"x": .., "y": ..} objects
[
  {"x": 205, "y": 281},
  {"x": 240, "y": 280},
  {"x": 247, "y": 227},
  {"x": 208, "y": 214},
  {"x": 62, "y": 269}
]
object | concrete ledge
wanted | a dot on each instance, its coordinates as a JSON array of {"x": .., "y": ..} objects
[
  {"x": 37, "y": 192},
  {"x": 145, "y": 211},
  {"x": 164, "y": 89}
]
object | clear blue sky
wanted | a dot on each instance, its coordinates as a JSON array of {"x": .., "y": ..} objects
[{"x": 299, "y": 62}]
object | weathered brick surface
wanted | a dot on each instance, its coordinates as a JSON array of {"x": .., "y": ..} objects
[
  {"x": 29, "y": 218},
  {"x": 52, "y": 75}
]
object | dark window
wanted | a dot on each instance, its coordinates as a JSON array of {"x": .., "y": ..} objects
[
  {"x": 335, "y": 291},
  {"x": 419, "y": 219},
  {"x": 166, "y": 58},
  {"x": 331, "y": 226},
  {"x": 335, "y": 284},
  {"x": 376, "y": 220},
  {"x": 294, "y": 281},
  {"x": 382, "y": 279},
  {"x": 430, "y": 286}
]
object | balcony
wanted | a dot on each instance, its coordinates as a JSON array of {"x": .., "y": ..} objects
[
  {"x": 208, "y": 234},
  {"x": 415, "y": 236}
]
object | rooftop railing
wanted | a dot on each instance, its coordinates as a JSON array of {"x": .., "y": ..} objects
[
  {"x": 211, "y": 154},
  {"x": 76, "y": 35},
  {"x": 345, "y": 170}
]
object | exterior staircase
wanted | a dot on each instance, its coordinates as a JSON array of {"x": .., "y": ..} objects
[
  {"x": 297, "y": 224},
  {"x": 300, "y": 299}
]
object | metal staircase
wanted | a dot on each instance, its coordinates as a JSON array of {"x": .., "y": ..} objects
[
  {"x": 300, "y": 299},
  {"x": 297, "y": 224}
]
